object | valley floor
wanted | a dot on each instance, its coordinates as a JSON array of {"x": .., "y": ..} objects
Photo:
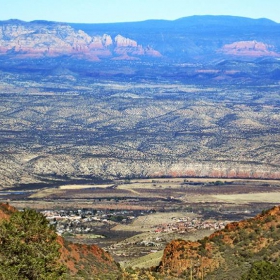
[{"x": 135, "y": 219}]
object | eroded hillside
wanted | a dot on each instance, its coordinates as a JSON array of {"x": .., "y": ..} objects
[
  {"x": 121, "y": 130},
  {"x": 226, "y": 254}
]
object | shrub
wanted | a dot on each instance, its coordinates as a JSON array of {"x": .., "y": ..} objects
[
  {"x": 29, "y": 248},
  {"x": 262, "y": 270}
]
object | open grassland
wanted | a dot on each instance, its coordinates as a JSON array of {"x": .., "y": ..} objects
[
  {"x": 147, "y": 223},
  {"x": 158, "y": 194},
  {"x": 272, "y": 197},
  {"x": 146, "y": 261},
  {"x": 41, "y": 194},
  {"x": 81, "y": 187}
]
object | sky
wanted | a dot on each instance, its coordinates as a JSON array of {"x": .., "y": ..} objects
[{"x": 103, "y": 11}]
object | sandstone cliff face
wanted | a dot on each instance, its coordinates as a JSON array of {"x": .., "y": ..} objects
[
  {"x": 124, "y": 42},
  {"x": 18, "y": 171},
  {"x": 56, "y": 39},
  {"x": 179, "y": 40},
  {"x": 106, "y": 167},
  {"x": 249, "y": 48},
  {"x": 225, "y": 253}
]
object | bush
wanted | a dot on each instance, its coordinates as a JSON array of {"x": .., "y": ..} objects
[
  {"x": 29, "y": 248},
  {"x": 262, "y": 270}
]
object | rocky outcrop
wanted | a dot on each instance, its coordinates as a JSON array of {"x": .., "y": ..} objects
[
  {"x": 6, "y": 210},
  {"x": 225, "y": 253},
  {"x": 249, "y": 48},
  {"x": 43, "y": 39},
  {"x": 179, "y": 40},
  {"x": 87, "y": 261},
  {"x": 124, "y": 42}
]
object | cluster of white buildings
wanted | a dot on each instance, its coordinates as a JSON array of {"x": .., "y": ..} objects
[{"x": 187, "y": 224}]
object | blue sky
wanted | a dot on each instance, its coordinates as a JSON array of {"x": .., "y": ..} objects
[{"x": 100, "y": 11}]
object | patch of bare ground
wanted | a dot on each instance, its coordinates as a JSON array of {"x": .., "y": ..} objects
[
  {"x": 272, "y": 197},
  {"x": 148, "y": 222}
]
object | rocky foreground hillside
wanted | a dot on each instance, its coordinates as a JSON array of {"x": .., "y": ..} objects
[
  {"x": 87, "y": 261},
  {"x": 80, "y": 261},
  {"x": 226, "y": 254}
]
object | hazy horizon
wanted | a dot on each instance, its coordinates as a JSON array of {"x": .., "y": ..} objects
[
  {"x": 113, "y": 11},
  {"x": 68, "y": 22}
]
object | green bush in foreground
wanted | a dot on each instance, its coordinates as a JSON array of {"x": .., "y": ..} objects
[
  {"x": 263, "y": 270},
  {"x": 28, "y": 248}
]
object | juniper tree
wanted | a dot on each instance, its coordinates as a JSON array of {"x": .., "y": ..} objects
[{"x": 29, "y": 248}]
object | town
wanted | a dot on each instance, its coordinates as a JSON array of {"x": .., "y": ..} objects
[{"x": 86, "y": 221}]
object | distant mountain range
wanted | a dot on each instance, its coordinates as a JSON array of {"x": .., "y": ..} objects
[
  {"x": 196, "y": 38},
  {"x": 50, "y": 58}
]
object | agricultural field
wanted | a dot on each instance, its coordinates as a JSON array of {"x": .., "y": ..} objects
[{"x": 135, "y": 219}]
